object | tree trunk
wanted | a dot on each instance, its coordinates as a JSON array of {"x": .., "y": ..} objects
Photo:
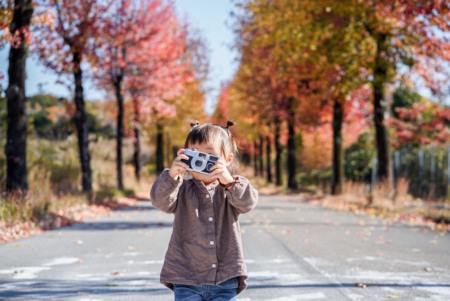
[
  {"x": 16, "y": 142},
  {"x": 159, "y": 147},
  {"x": 261, "y": 156},
  {"x": 278, "y": 150},
  {"x": 246, "y": 157},
  {"x": 291, "y": 148},
  {"x": 338, "y": 172},
  {"x": 168, "y": 150},
  {"x": 174, "y": 152},
  {"x": 137, "y": 139},
  {"x": 268, "y": 159},
  {"x": 119, "y": 134},
  {"x": 255, "y": 158},
  {"x": 81, "y": 125},
  {"x": 380, "y": 78}
]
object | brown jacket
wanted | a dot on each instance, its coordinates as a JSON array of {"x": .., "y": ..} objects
[{"x": 205, "y": 246}]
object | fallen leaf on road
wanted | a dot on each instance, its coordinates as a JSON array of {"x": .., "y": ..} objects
[
  {"x": 392, "y": 296},
  {"x": 361, "y": 285}
]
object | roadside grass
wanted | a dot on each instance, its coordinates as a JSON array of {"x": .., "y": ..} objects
[
  {"x": 55, "y": 198},
  {"x": 355, "y": 197}
]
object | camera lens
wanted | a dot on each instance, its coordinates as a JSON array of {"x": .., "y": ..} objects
[{"x": 209, "y": 166}]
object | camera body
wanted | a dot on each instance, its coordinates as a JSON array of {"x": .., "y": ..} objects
[{"x": 199, "y": 161}]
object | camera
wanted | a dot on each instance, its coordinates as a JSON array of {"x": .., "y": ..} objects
[{"x": 199, "y": 161}]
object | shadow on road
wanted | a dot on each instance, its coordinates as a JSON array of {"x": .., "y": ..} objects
[
  {"x": 58, "y": 289},
  {"x": 350, "y": 285},
  {"x": 328, "y": 224},
  {"x": 136, "y": 208},
  {"x": 119, "y": 225}
]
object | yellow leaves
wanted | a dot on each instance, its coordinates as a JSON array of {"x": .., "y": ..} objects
[
  {"x": 46, "y": 18},
  {"x": 394, "y": 296},
  {"x": 5, "y": 17}
]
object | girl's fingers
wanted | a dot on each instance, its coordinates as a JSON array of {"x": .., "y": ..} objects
[
  {"x": 180, "y": 151},
  {"x": 217, "y": 165},
  {"x": 216, "y": 172},
  {"x": 181, "y": 156},
  {"x": 181, "y": 164}
]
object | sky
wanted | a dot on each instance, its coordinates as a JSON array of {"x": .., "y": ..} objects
[
  {"x": 209, "y": 17},
  {"x": 212, "y": 18}
]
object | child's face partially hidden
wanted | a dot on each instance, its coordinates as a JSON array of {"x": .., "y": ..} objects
[{"x": 213, "y": 150}]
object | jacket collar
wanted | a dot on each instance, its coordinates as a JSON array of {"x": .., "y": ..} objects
[{"x": 210, "y": 186}]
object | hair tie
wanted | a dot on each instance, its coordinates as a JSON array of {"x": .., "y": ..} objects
[
  {"x": 229, "y": 124},
  {"x": 195, "y": 123}
]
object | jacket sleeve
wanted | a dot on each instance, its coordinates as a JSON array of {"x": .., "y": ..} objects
[
  {"x": 164, "y": 192},
  {"x": 242, "y": 195}
]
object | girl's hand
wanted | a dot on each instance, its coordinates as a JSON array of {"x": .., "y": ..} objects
[
  {"x": 220, "y": 172},
  {"x": 178, "y": 167}
]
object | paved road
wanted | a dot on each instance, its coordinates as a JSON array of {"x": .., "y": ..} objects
[{"x": 294, "y": 251}]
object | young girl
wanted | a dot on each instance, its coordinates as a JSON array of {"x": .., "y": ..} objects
[{"x": 205, "y": 260}]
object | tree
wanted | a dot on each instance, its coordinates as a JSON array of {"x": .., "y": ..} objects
[
  {"x": 136, "y": 39},
  {"x": 16, "y": 143},
  {"x": 286, "y": 86},
  {"x": 175, "y": 87},
  {"x": 403, "y": 33},
  {"x": 319, "y": 52},
  {"x": 64, "y": 47}
]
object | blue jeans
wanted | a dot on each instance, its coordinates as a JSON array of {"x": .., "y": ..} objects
[{"x": 225, "y": 291}]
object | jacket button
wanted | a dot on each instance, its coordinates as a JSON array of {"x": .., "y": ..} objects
[
  {"x": 207, "y": 196},
  {"x": 210, "y": 219},
  {"x": 211, "y": 242},
  {"x": 213, "y": 265}
]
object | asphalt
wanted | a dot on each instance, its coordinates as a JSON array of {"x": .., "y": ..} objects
[{"x": 294, "y": 251}]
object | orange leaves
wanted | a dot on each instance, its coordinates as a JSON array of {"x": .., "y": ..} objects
[
  {"x": 424, "y": 123},
  {"x": 143, "y": 46},
  {"x": 67, "y": 27}
]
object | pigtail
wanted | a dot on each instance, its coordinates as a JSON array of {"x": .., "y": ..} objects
[
  {"x": 230, "y": 123},
  {"x": 194, "y": 123}
]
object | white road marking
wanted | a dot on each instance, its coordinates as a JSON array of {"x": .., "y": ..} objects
[
  {"x": 279, "y": 277},
  {"x": 153, "y": 262},
  {"x": 24, "y": 272},
  {"x": 131, "y": 254},
  {"x": 310, "y": 296},
  {"x": 390, "y": 260},
  {"x": 276, "y": 260},
  {"x": 62, "y": 261}
]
